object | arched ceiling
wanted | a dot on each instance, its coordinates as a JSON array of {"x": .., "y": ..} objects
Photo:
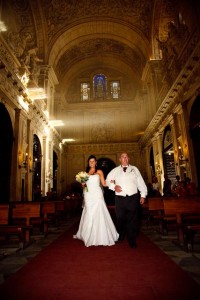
[
  {"x": 80, "y": 38},
  {"x": 99, "y": 47}
]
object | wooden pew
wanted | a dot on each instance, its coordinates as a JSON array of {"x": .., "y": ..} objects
[
  {"x": 60, "y": 209},
  {"x": 25, "y": 211},
  {"x": 145, "y": 216},
  {"x": 156, "y": 211},
  {"x": 48, "y": 210},
  {"x": 156, "y": 206},
  {"x": 187, "y": 212},
  {"x": 60, "y": 205},
  {"x": 6, "y": 229},
  {"x": 67, "y": 205}
]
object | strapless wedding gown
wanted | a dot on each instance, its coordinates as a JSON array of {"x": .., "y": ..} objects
[{"x": 96, "y": 226}]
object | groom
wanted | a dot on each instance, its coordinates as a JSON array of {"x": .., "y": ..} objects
[{"x": 126, "y": 181}]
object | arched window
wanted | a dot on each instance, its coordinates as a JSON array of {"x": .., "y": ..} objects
[
  {"x": 85, "y": 91},
  {"x": 195, "y": 134},
  {"x": 102, "y": 89},
  {"x": 115, "y": 89},
  {"x": 100, "y": 86},
  {"x": 168, "y": 154}
]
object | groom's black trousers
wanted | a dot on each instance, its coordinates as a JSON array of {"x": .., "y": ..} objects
[{"x": 127, "y": 213}]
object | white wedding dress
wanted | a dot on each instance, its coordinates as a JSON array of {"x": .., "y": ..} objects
[{"x": 96, "y": 226}]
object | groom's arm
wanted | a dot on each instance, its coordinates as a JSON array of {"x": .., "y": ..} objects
[{"x": 110, "y": 180}]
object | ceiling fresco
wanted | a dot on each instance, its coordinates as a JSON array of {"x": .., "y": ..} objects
[{"x": 81, "y": 38}]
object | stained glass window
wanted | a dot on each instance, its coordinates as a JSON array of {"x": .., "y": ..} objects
[
  {"x": 100, "y": 86},
  {"x": 85, "y": 91},
  {"x": 100, "y": 90},
  {"x": 115, "y": 89}
]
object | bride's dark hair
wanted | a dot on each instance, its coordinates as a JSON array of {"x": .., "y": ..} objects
[{"x": 88, "y": 167}]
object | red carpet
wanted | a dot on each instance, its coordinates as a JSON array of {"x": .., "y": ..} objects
[{"x": 66, "y": 269}]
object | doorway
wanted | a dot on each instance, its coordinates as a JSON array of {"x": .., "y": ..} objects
[
  {"x": 6, "y": 138},
  {"x": 55, "y": 169},
  {"x": 168, "y": 155},
  {"x": 106, "y": 165},
  {"x": 37, "y": 157},
  {"x": 195, "y": 135}
]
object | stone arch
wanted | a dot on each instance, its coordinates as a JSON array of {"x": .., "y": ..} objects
[
  {"x": 119, "y": 67},
  {"x": 168, "y": 154},
  {"x": 6, "y": 137},
  {"x": 194, "y": 125},
  {"x": 106, "y": 165},
  {"x": 55, "y": 169},
  {"x": 131, "y": 37},
  {"x": 37, "y": 157}
]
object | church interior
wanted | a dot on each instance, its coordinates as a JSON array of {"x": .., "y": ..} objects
[
  {"x": 97, "y": 77},
  {"x": 81, "y": 78}
]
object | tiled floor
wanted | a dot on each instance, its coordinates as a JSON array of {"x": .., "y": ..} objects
[
  {"x": 12, "y": 260},
  {"x": 189, "y": 261}
]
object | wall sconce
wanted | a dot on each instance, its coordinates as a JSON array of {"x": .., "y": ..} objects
[
  {"x": 35, "y": 163},
  {"x": 36, "y": 160},
  {"x": 49, "y": 177},
  {"x": 24, "y": 161},
  {"x": 181, "y": 156},
  {"x": 30, "y": 164},
  {"x": 25, "y": 79},
  {"x": 158, "y": 169},
  {"x": 171, "y": 157}
]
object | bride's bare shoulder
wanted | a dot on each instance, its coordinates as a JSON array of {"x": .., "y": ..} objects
[{"x": 100, "y": 172}]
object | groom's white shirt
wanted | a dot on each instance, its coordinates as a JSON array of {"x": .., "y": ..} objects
[{"x": 130, "y": 181}]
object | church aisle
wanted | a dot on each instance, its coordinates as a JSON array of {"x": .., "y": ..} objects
[{"x": 70, "y": 275}]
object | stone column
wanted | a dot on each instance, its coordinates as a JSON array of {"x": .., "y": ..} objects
[
  {"x": 43, "y": 165},
  {"x": 174, "y": 132},
  {"x": 49, "y": 167},
  {"x": 148, "y": 169},
  {"x": 20, "y": 157},
  {"x": 184, "y": 163},
  {"x": 158, "y": 159},
  {"x": 29, "y": 187},
  {"x": 14, "y": 191}
]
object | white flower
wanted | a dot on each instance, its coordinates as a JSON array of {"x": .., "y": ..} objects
[{"x": 82, "y": 177}]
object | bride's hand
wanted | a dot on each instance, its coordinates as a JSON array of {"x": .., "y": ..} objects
[{"x": 118, "y": 188}]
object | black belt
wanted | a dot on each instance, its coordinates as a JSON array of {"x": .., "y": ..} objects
[{"x": 127, "y": 195}]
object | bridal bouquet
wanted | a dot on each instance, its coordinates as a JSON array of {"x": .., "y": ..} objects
[{"x": 82, "y": 177}]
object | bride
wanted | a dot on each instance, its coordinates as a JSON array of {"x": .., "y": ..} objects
[{"x": 96, "y": 226}]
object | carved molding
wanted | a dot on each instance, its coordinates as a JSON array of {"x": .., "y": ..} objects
[
  {"x": 175, "y": 93},
  {"x": 103, "y": 148},
  {"x": 63, "y": 13},
  {"x": 99, "y": 47},
  {"x": 7, "y": 57}
]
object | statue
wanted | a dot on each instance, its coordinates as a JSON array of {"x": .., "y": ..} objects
[
  {"x": 18, "y": 42},
  {"x": 31, "y": 61}
]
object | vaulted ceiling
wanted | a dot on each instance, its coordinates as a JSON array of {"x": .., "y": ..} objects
[{"x": 80, "y": 38}]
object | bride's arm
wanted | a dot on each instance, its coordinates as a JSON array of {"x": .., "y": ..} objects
[{"x": 102, "y": 179}]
